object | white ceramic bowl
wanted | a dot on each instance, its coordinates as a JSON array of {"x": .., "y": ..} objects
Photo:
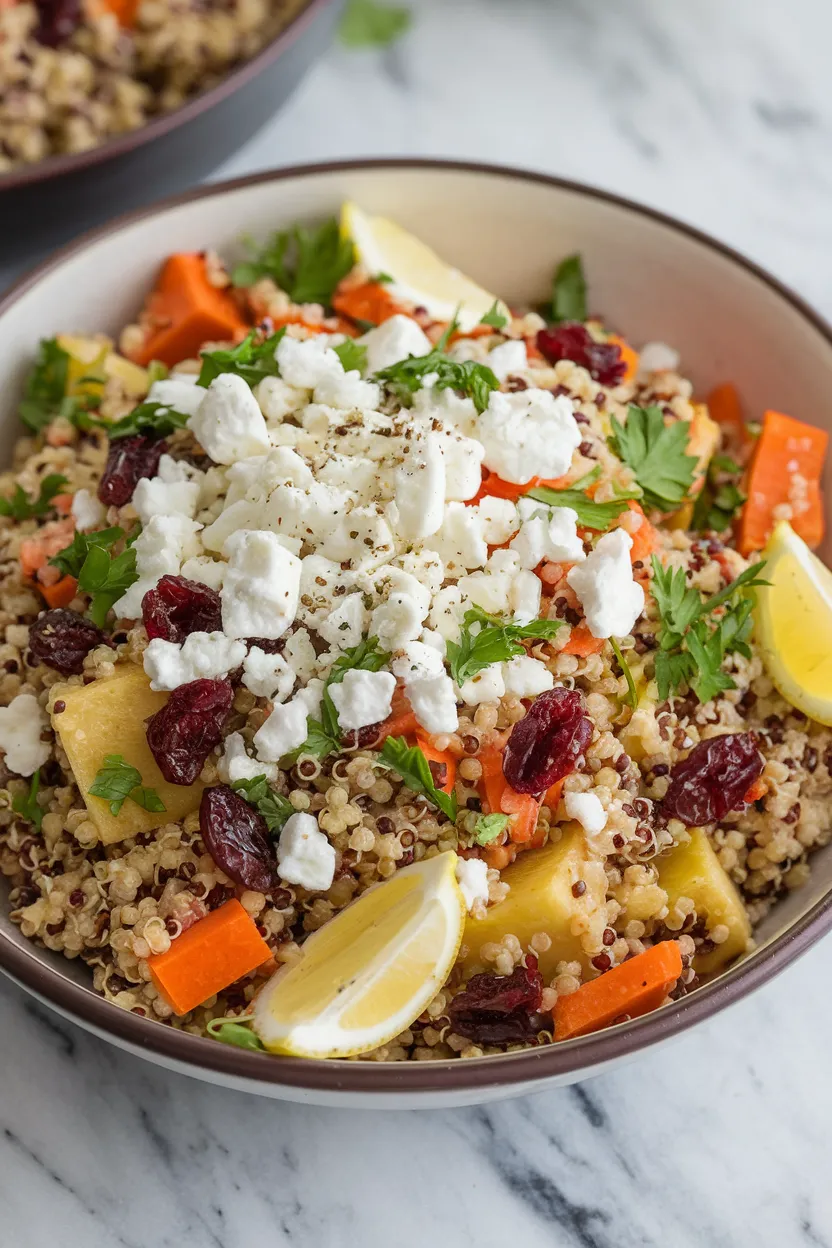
[{"x": 652, "y": 278}]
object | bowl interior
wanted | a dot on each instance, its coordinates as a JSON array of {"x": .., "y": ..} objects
[{"x": 649, "y": 278}]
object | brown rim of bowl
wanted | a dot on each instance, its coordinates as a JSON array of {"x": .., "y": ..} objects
[
  {"x": 69, "y": 162},
  {"x": 502, "y": 1070}
]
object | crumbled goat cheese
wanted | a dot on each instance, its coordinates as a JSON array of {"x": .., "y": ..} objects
[
  {"x": 155, "y": 497},
  {"x": 179, "y": 392},
  {"x": 307, "y": 363},
  {"x": 429, "y": 689},
  {"x": 89, "y": 513},
  {"x": 228, "y": 423},
  {"x": 463, "y": 465},
  {"x": 362, "y": 698},
  {"x": 277, "y": 399},
  {"x": 205, "y": 570},
  {"x": 235, "y": 764},
  {"x": 299, "y": 653},
  {"x": 395, "y": 339},
  {"x": 499, "y": 519},
  {"x": 420, "y": 489},
  {"x": 446, "y": 612},
  {"x": 528, "y": 434},
  {"x": 524, "y": 596},
  {"x": 472, "y": 878},
  {"x": 510, "y": 357},
  {"x": 348, "y": 392},
  {"x": 161, "y": 548},
  {"x": 460, "y": 542},
  {"x": 526, "y": 677},
  {"x": 268, "y": 675},
  {"x": 21, "y": 724},
  {"x": 304, "y": 855},
  {"x": 587, "y": 809},
  {"x": 286, "y": 728},
  {"x": 487, "y": 686},
  {"x": 549, "y": 536},
  {"x": 261, "y": 585},
  {"x": 344, "y": 626},
  {"x": 206, "y": 656},
  {"x": 612, "y": 601}
]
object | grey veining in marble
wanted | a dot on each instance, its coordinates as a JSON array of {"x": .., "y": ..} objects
[{"x": 720, "y": 113}]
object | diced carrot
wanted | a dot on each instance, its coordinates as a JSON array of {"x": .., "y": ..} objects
[
  {"x": 758, "y": 789},
  {"x": 62, "y": 503},
  {"x": 725, "y": 408},
  {"x": 330, "y": 325},
  {"x": 786, "y": 469},
  {"x": 36, "y": 551},
  {"x": 645, "y": 536},
  {"x": 185, "y": 311},
  {"x": 501, "y": 798},
  {"x": 582, "y": 643},
  {"x": 61, "y": 593},
  {"x": 635, "y": 987},
  {"x": 553, "y": 794},
  {"x": 442, "y": 758},
  {"x": 628, "y": 354},
  {"x": 496, "y": 487},
  {"x": 124, "y": 10},
  {"x": 365, "y": 301},
  {"x": 215, "y": 952}
]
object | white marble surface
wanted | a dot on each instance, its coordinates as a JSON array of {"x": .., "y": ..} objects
[{"x": 722, "y": 114}]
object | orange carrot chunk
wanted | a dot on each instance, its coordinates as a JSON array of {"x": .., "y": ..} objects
[
  {"x": 629, "y": 355},
  {"x": 215, "y": 952},
  {"x": 582, "y": 643},
  {"x": 61, "y": 593},
  {"x": 443, "y": 780},
  {"x": 186, "y": 311},
  {"x": 502, "y": 799},
  {"x": 645, "y": 538},
  {"x": 786, "y": 469},
  {"x": 365, "y": 301},
  {"x": 635, "y": 987}
]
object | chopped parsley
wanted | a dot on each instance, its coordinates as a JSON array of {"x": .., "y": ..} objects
[
  {"x": 720, "y": 498},
  {"x": 251, "y": 359},
  {"x": 404, "y": 378},
  {"x": 155, "y": 419},
  {"x": 99, "y": 573},
  {"x": 274, "y": 808},
  {"x": 21, "y": 507},
  {"x": 116, "y": 781},
  {"x": 569, "y": 291},
  {"x": 45, "y": 388},
  {"x": 235, "y": 1031},
  {"x": 488, "y": 828},
  {"x": 70, "y": 560},
  {"x": 495, "y": 641},
  {"x": 494, "y": 317},
  {"x": 26, "y": 804},
  {"x": 306, "y": 263},
  {"x": 372, "y": 24},
  {"x": 324, "y": 735},
  {"x": 694, "y": 640},
  {"x": 632, "y": 692},
  {"x": 591, "y": 515},
  {"x": 657, "y": 454},
  {"x": 414, "y": 768},
  {"x": 352, "y": 355}
]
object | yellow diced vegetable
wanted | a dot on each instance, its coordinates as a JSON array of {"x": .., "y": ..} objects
[
  {"x": 108, "y": 717},
  {"x": 94, "y": 357},
  {"x": 541, "y": 900},
  {"x": 693, "y": 870}
]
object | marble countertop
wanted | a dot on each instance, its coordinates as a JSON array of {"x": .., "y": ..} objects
[{"x": 722, "y": 115}]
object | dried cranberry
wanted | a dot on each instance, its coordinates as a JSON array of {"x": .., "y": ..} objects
[
  {"x": 713, "y": 779},
  {"x": 58, "y": 21},
  {"x": 62, "y": 639},
  {"x": 237, "y": 838},
  {"x": 177, "y": 607},
  {"x": 184, "y": 732},
  {"x": 546, "y": 744},
  {"x": 573, "y": 341},
  {"x": 362, "y": 738},
  {"x": 499, "y": 1009},
  {"x": 128, "y": 461}
]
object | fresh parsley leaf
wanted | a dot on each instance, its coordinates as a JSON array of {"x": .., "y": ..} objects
[
  {"x": 306, "y": 263},
  {"x": 105, "y": 578},
  {"x": 414, "y": 768},
  {"x": 569, "y": 291},
  {"x": 318, "y": 743},
  {"x": 26, "y": 804},
  {"x": 632, "y": 692},
  {"x": 494, "y": 317},
  {"x": 116, "y": 780},
  {"x": 274, "y": 808},
  {"x": 23, "y": 508},
  {"x": 236, "y": 1032},
  {"x": 657, "y": 454},
  {"x": 495, "y": 641},
  {"x": 352, "y": 355},
  {"x": 70, "y": 560},
  {"x": 45, "y": 386},
  {"x": 371, "y": 24},
  {"x": 250, "y": 359},
  {"x": 469, "y": 378},
  {"x": 720, "y": 498},
  {"x": 488, "y": 828},
  {"x": 591, "y": 515},
  {"x": 146, "y": 418}
]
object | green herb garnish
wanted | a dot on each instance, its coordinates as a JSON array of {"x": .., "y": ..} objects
[
  {"x": 693, "y": 640},
  {"x": 306, "y": 263},
  {"x": 657, "y": 454},
  {"x": 495, "y": 642},
  {"x": 488, "y": 828},
  {"x": 251, "y": 360},
  {"x": 274, "y": 808},
  {"x": 117, "y": 781},
  {"x": 465, "y": 376},
  {"x": 720, "y": 498},
  {"x": 45, "y": 386},
  {"x": 99, "y": 573},
  {"x": 21, "y": 507},
  {"x": 324, "y": 735},
  {"x": 147, "y": 418},
  {"x": 569, "y": 291},
  {"x": 632, "y": 692},
  {"x": 591, "y": 515},
  {"x": 494, "y": 317},
  {"x": 26, "y": 804},
  {"x": 414, "y": 768},
  {"x": 235, "y": 1032},
  {"x": 352, "y": 355},
  {"x": 371, "y": 24},
  {"x": 71, "y": 559}
]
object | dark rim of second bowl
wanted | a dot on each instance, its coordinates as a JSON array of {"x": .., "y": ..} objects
[
  {"x": 555, "y": 1061},
  {"x": 70, "y": 162}
]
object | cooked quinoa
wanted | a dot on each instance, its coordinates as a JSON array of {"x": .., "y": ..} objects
[
  {"x": 118, "y": 905},
  {"x": 74, "y": 73}
]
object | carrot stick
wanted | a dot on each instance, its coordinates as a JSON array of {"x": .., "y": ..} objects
[
  {"x": 61, "y": 593},
  {"x": 215, "y": 952},
  {"x": 442, "y": 758},
  {"x": 582, "y": 643},
  {"x": 645, "y": 537},
  {"x": 725, "y": 408},
  {"x": 635, "y": 987},
  {"x": 185, "y": 311},
  {"x": 501, "y": 798},
  {"x": 365, "y": 301},
  {"x": 786, "y": 469},
  {"x": 628, "y": 354}
]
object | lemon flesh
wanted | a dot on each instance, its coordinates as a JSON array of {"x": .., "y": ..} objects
[
  {"x": 794, "y": 624},
  {"x": 371, "y": 971},
  {"x": 419, "y": 275}
]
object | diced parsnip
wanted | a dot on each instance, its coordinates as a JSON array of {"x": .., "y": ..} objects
[
  {"x": 95, "y": 357},
  {"x": 134, "y": 379},
  {"x": 108, "y": 717},
  {"x": 693, "y": 870},
  {"x": 704, "y": 439},
  {"x": 541, "y": 900}
]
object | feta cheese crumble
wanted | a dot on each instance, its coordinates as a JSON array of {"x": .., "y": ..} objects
[
  {"x": 89, "y": 513},
  {"x": 21, "y": 725},
  {"x": 304, "y": 855},
  {"x": 528, "y": 434},
  {"x": 207, "y": 656},
  {"x": 261, "y": 586},
  {"x": 228, "y": 423},
  {"x": 611, "y": 599},
  {"x": 472, "y": 878},
  {"x": 362, "y": 698},
  {"x": 586, "y": 808}
]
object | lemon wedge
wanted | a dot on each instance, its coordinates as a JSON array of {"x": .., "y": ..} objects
[
  {"x": 371, "y": 971},
  {"x": 418, "y": 275},
  {"x": 794, "y": 623}
]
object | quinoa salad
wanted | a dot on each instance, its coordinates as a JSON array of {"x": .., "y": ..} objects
[
  {"x": 388, "y": 672},
  {"x": 74, "y": 73}
]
